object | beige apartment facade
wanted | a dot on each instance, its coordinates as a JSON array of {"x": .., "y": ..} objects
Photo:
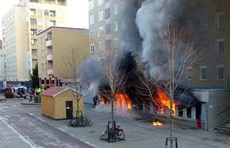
[
  {"x": 14, "y": 51},
  {"x": 103, "y": 25},
  {"x": 60, "y": 51},
  {"x": 41, "y": 14}
]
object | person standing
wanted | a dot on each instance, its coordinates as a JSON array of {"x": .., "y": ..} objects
[{"x": 95, "y": 99}]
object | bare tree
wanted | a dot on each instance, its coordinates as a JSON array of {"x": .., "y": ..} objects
[
  {"x": 178, "y": 53},
  {"x": 68, "y": 68},
  {"x": 115, "y": 75}
]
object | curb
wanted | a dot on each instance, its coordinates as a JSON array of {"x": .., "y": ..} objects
[{"x": 30, "y": 103}]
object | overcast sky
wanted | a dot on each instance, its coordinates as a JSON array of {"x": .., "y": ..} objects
[{"x": 78, "y": 9}]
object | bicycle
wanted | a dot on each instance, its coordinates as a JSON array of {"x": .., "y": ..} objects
[
  {"x": 80, "y": 121},
  {"x": 111, "y": 135}
]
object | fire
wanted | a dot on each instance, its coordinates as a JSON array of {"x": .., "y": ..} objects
[
  {"x": 122, "y": 100},
  {"x": 102, "y": 101},
  {"x": 156, "y": 123},
  {"x": 165, "y": 102}
]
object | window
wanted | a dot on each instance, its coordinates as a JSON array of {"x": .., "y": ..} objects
[
  {"x": 189, "y": 73},
  {"x": 34, "y": 51},
  {"x": 115, "y": 10},
  {"x": 33, "y": 21},
  {"x": 107, "y": 29},
  {"x": 100, "y": 2},
  {"x": 108, "y": 44},
  {"x": 33, "y": 31},
  {"x": 91, "y": 5},
  {"x": 203, "y": 73},
  {"x": 220, "y": 20},
  {"x": 52, "y": 23},
  {"x": 92, "y": 48},
  {"x": 115, "y": 27},
  {"x": 100, "y": 16},
  {"x": 189, "y": 112},
  {"x": 220, "y": 46},
  {"x": 33, "y": 42},
  {"x": 107, "y": 13},
  {"x": 101, "y": 31},
  {"x": 116, "y": 43},
  {"x": 180, "y": 111},
  {"x": 91, "y": 19},
  {"x": 203, "y": 24},
  {"x": 91, "y": 34},
  {"x": 220, "y": 72},
  {"x": 52, "y": 13},
  {"x": 32, "y": 11},
  {"x": 46, "y": 13},
  {"x": 101, "y": 46}
]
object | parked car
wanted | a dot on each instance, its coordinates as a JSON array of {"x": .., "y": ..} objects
[{"x": 20, "y": 92}]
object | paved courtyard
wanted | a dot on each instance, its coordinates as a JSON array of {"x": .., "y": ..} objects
[{"x": 25, "y": 126}]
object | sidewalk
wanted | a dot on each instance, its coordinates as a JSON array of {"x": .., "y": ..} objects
[
  {"x": 11, "y": 138},
  {"x": 139, "y": 133}
]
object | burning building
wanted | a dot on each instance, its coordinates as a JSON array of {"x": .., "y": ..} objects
[{"x": 146, "y": 65}]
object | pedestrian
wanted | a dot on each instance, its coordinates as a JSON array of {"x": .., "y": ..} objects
[
  {"x": 95, "y": 99},
  {"x": 31, "y": 94},
  {"x": 199, "y": 122}
]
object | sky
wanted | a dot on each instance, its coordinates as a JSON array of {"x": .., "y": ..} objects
[{"x": 78, "y": 15}]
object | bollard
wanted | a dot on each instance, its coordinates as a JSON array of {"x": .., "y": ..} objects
[{"x": 169, "y": 139}]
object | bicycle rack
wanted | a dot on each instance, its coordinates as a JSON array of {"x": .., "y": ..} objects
[{"x": 168, "y": 139}]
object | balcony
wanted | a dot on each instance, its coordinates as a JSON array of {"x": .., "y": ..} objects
[
  {"x": 49, "y": 71},
  {"x": 49, "y": 57},
  {"x": 48, "y": 43}
]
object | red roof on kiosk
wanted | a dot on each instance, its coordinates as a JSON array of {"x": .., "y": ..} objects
[{"x": 52, "y": 91}]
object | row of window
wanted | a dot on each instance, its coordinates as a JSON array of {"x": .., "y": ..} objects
[
  {"x": 101, "y": 31},
  {"x": 220, "y": 22},
  {"x": 99, "y": 3},
  {"x": 39, "y": 12},
  {"x": 203, "y": 73},
  {"x": 103, "y": 15},
  {"x": 104, "y": 45}
]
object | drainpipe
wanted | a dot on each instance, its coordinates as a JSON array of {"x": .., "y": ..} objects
[{"x": 206, "y": 112}]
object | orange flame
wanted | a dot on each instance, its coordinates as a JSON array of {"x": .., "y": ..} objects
[
  {"x": 165, "y": 102},
  {"x": 156, "y": 123},
  {"x": 122, "y": 100},
  {"x": 102, "y": 101}
]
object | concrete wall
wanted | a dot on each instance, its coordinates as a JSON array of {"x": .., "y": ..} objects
[{"x": 217, "y": 101}]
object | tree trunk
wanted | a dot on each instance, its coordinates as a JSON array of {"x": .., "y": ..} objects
[{"x": 112, "y": 112}]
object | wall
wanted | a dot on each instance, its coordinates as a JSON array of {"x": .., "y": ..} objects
[
  {"x": 60, "y": 104},
  {"x": 47, "y": 106},
  {"x": 217, "y": 100}
]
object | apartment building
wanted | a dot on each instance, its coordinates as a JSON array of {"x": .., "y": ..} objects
[
  {"x": 13, "y": 53},
  {"x": 213, "y": 33},
  {"x": 41, "y": 14},
  {"x": 60, "y": 52},
  {"x": 103, "y": 24}
]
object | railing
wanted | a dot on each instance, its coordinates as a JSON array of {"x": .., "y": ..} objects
[
  {"x": 49, "y": 71},
  {"x": 223, "y": 110},
  {"x": 48, "y": 43},
  {"x": 49, "y": 57}
]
